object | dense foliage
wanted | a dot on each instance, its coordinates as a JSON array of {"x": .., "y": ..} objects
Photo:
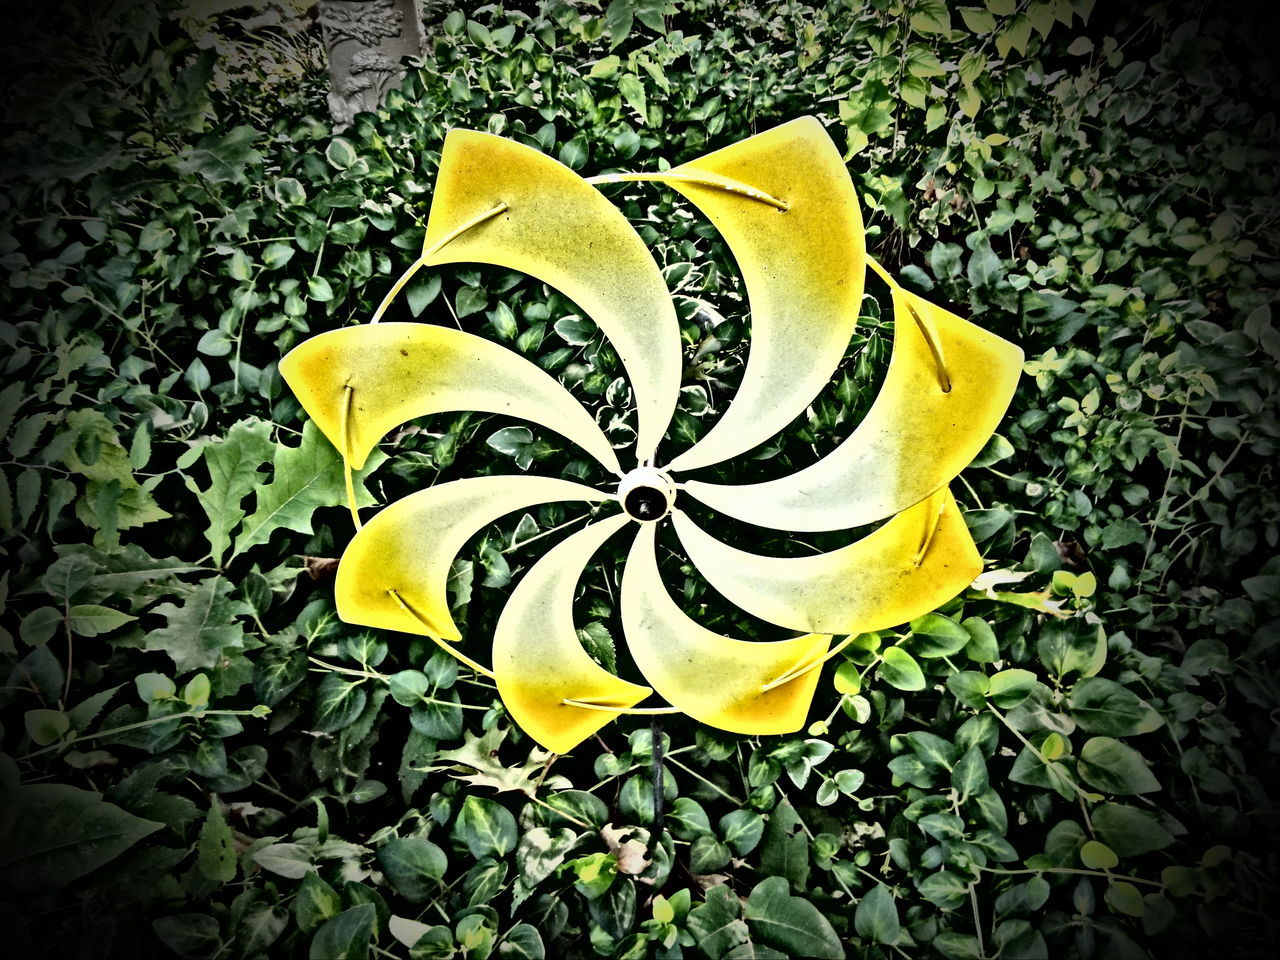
[{"x": 1075, "y": 758}]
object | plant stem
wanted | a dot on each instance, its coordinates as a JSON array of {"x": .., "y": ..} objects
[{"x": 137, "y": 726}]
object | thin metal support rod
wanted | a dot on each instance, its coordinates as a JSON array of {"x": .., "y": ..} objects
[
  {"x": 446, "y": 647},
  {"x": 702, "y": 180},
  {"x": 930, "y": 533},
  {"x": 659, "y": 811},
  {"x": 802, "y": 669},
  {"x": 935, "y": 350},
  {"x": 614, "y": 708},
  {"x": 430, "y": 252},
  {"x": 345, "y": 428}
]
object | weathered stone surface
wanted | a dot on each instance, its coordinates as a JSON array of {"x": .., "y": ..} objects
[{"x": 366, "y": 40}]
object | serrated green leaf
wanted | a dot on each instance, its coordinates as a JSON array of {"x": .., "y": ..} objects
[
  {"x": 304, "y": 478},
  {"x": 233, "y": 463},
  {"x": 216, "y": 849},
  {"x": 200, "y": 632}
]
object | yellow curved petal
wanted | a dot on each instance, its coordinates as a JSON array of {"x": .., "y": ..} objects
[
  {"x": 392, "y": 372},
  {"x": 914, "y": 439},
  {"x": 714, "y": 679},
  {"x": 538, "y": 661},
  {"x": 394, "y": 574},
  {"x": 559, "y": 229},
  {"x": 803, "y": 269},
  {"x": 914, "y": 563}
]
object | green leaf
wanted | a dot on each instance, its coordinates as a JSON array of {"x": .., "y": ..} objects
[
  {"x": 687, "y": 820},
  {"x": 233, "y": 463},
  {"x": 1014, "y": 36},
  {"x": 977, "y": 20},
  {"x": 191, "y": 935},
  {"x": 618, "y": 17},
  {"x": 538, "y": 854},
  {"x": 39, "y": 625},
  {"x": 290, "y": 860},
  {"x": 52, "y": 834},
  {"x": 1124, "y": 897},
  {"x": 1112, "y": 767},
  {"x": 1098, "y": 856},
  {"x": 899, "y": 669},
  {"x": 346, "y": 936},
  {"x": 847, "y": 678},
  {"x": 46, "y": 726},
  {"x": 305, "y": 478},
  {"x": 969, "y": 775},
  {"x": 576, "y": 330},
  {"x": 1008, "y": 688},
  {"x": 707, "y": 855},
  {"x": 957, "y": 946},
  {"x": 944, "y": 889},
  {"x": 931, "y": 17},
  {"x": 216, "y": 849},
  {"x": 340, "y": 153},
  {"x": 632, "y": 91},
  {"x": 1103, "y": 706},
  {"x": 486, "y": 827},
  {"x": 414, "y": 866},
  {"x": 934, "y": 635},
  {"x": 876, "y": 918},
  {"x": 319, "y": 289},
  {"x": 784, "y": 851},
  {"x": 575, "y": 153},
  {"x": 203, "y": 630},
  {"x": 154, "y": 686},
  {"x": 969, "y": 687},
  {"x": 338, "y": 703},
  {"x": 742, "y": 830},
  {"x": 1129, "y": 831},
  {"x": 112, "y": 500},
  {"x": 408, "y": 687},
  {"x": 605, "y": 67},
  {"x": 983, "y": 646},
  {"x": 522, "y": 942},
  {"x": 222, "y": 158},
  {"x": 718, "y": 926},
  {"x": 791, "y": 924},
  {"x": 315, "y": 903},
  {"x": 91, "y": 620}
]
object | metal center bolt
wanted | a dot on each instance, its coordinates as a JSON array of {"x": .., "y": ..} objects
[{"x": 646, "y": 494}]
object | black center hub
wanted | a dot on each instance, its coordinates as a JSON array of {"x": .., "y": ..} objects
[
  {"x": 647, "y": 494},
  {"x": 645, "y": 503}
]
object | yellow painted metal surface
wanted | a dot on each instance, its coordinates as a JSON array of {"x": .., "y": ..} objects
[
  {"x": 393, "y": 372},
  {"x": 409, "y": 547},
  {"x": 915, "y": 438},
  {"x": 537, "y": 658},
  {"x": 785, "y": 205},
  {"x": 562, "y": 231},
  {"x": 713, "y": 678},
  {"x": 913, "y": 563},
  {"x": 803, "y": 268}
]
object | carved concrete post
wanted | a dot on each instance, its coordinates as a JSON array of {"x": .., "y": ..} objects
[{"x": 365, "y": 40}]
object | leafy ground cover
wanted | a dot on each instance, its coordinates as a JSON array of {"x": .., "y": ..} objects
[{"x": 1075, "y": 758}]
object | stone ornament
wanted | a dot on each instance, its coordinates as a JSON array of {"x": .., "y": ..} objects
[
  {"x": 365, "y": 41},
  {"x": 785, "y": 205}
]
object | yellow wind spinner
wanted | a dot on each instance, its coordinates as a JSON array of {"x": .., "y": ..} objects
[{"x": 785, "y": 205}]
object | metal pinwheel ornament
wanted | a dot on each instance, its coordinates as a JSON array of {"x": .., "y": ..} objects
[{"x": 785, "y": 205}]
